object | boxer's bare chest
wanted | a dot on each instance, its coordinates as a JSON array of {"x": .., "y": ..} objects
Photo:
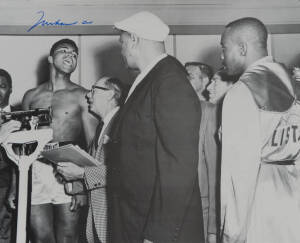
[
  {"x": 66, "y": 112},
  {"x": 62, "y": 102}
]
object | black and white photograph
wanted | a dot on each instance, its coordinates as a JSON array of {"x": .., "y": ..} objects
[{"x": 146, "y": 121}]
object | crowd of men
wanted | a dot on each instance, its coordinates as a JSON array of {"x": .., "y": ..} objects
[{"x": 187, "y": 155}]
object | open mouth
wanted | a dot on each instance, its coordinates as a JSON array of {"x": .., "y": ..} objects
[{"x": 68, "y": 61}]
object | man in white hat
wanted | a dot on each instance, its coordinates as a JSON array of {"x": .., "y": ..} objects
[{"x": 153, "y": 175}]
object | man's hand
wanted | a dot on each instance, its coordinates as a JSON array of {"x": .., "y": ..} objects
[
  {"x": 11, "y": 199},
  {"x": 70, "y": 171},
  {"x": 7, "y": 128},
  {"x": 77, "y": 202}
]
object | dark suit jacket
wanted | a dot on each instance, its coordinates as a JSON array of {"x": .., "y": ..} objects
[
  {"x": 153, "y": 166},
  {"x": 5, "y": 165},
  {"x": 5, "y": 182}
]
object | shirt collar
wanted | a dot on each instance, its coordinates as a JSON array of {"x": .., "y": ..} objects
[
  {"x": 151, "y": 65},
  {"x": 110, "y": 114},
  {"x": 144, "y": 72}
]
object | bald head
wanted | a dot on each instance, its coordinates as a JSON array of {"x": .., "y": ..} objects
[
  {"x": 249, "y": 30},
  {"x": 243, "y": 42}
]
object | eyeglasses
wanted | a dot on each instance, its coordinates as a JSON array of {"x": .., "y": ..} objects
[{"x": 97, "y": 87}]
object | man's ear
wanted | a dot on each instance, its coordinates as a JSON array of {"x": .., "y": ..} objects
[
  {"x": 50, "y": 59},
  {"x": 134, "y": 39},
  {"x": 111, "y": 94},
  {"x": 243, "y": 48}
]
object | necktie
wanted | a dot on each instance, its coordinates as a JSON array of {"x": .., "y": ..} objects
[
  {"x": 99, "y": 156},
  {"x": 100, "y": 151},
  {"x": 94, "y": 144},
  {"x": 97, "y": 134}
]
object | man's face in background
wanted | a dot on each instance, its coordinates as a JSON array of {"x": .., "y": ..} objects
[
  {"x": 198, "y": 79},
  {"x": 5, "y": 91}
]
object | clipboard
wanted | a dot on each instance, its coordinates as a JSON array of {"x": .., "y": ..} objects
[{"x": 70, "y": 153}]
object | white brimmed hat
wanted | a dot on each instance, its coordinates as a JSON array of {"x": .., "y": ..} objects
[{"x": 145, "y": 25}]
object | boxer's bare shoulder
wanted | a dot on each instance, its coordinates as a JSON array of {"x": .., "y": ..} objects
[
  {"x": 42, "y": 96},
  {"x": 38, "y": 97}
]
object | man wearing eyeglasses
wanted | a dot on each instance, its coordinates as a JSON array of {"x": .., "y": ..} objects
[
  {"x": 54, "y": 214},
  {"x": 104, "y": 100}
]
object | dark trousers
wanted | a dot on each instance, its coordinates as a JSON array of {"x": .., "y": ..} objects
[{"x": 5, "y": 217}]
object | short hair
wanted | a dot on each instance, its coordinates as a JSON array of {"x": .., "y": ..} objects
[
  {"x": 5, "y": 74},
  {"x": 119, "y": 89},
  {"x": 250, "y": 27},
  {"x": 225, "y": 77},
  {"x": 61, "y": 42},
  {"x": 203, "y": 68}
]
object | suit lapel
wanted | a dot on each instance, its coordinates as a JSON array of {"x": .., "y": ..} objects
[
  {"x": 131, "y": 99},
  {"x": 94, "y": 143},
  {"x": 109, "y": 125},
  {"x": 98, "y": 152}
]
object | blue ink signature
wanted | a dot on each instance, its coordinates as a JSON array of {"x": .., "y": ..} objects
[{"x": 43, "y": 22}]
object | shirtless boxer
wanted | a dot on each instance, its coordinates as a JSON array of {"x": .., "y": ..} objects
[{"x": 53, "y": 218}]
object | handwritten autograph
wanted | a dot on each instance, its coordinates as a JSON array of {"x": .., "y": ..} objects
[{"x": 58, "y": 22}]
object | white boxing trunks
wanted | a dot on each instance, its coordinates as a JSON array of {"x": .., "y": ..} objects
[{"x": 45, "y": 186}]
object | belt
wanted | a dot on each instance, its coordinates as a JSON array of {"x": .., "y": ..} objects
[
  {"x": 281, "y": 162},
  {"x": 67, "y": 142}
]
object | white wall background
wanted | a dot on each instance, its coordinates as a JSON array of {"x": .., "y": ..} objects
[
  {"x": 286, "y": 48},
  {"x": 25, "y": 57}
]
